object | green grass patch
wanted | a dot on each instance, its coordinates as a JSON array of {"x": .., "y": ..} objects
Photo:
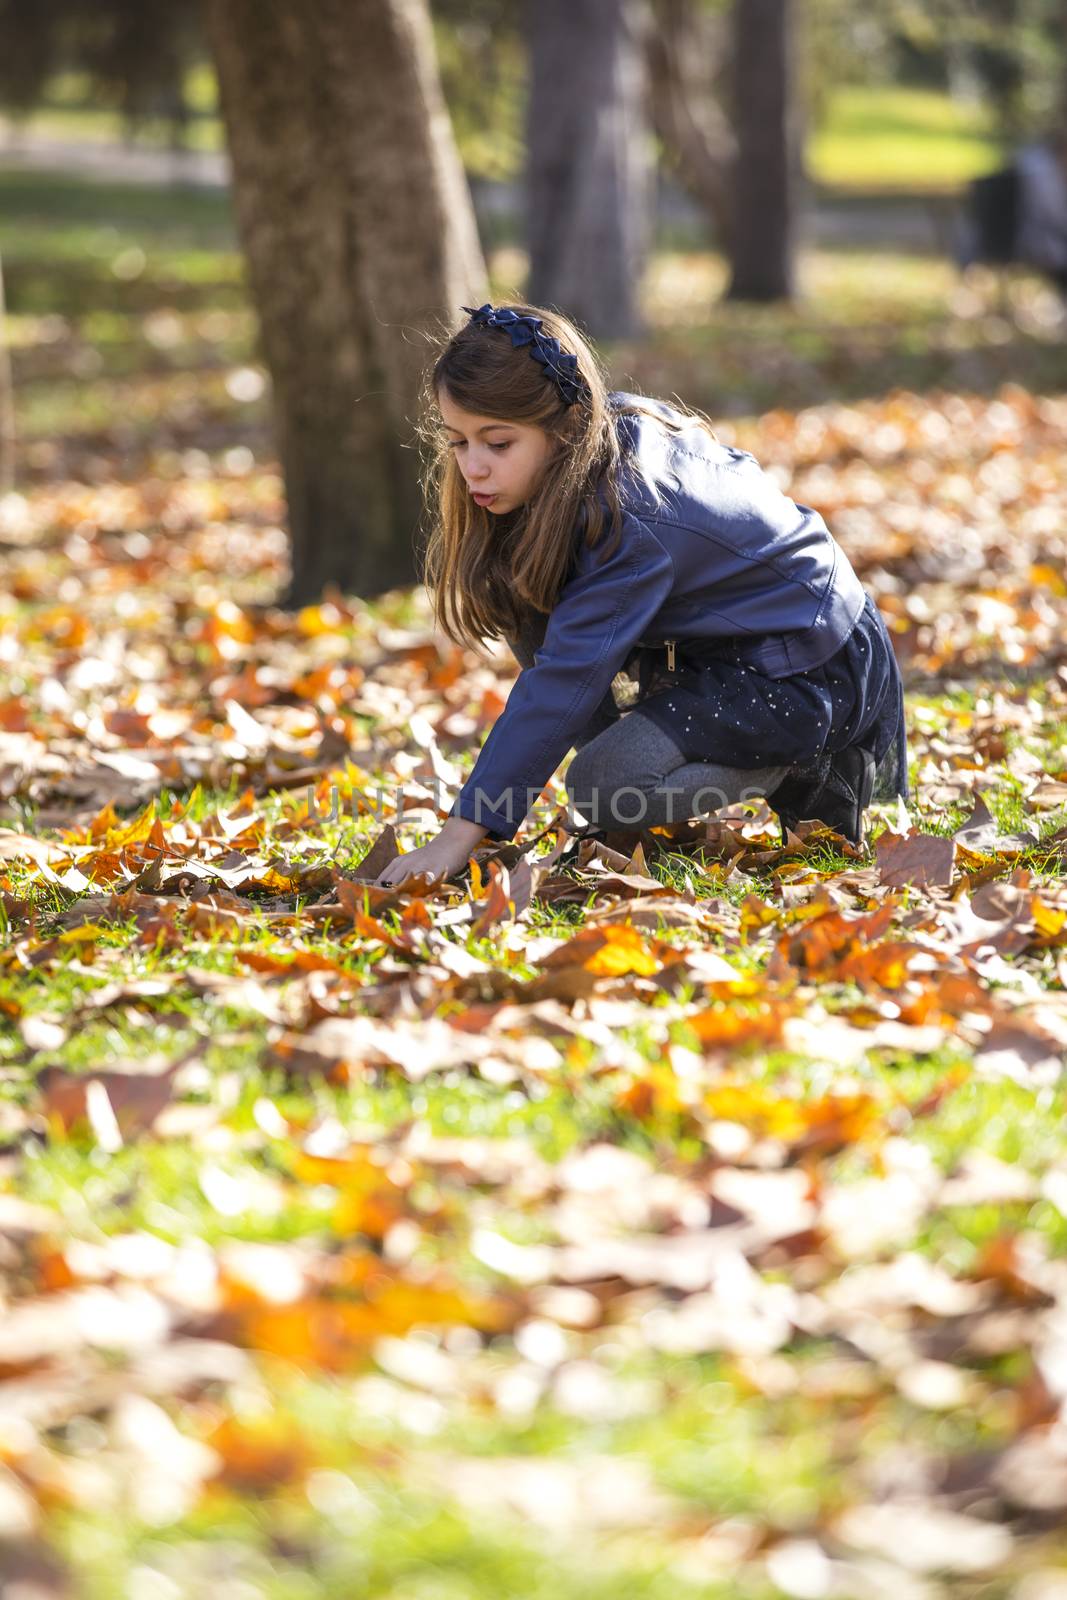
[{"x": 891, "y": 137}]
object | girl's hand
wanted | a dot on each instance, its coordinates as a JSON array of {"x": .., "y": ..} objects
[{"x": 441, "y": 857}]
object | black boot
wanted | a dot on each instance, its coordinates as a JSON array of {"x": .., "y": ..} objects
[{"x": 837, "y": 793}]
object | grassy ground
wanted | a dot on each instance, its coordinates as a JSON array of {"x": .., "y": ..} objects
[
  {"x": 897, "y": 138},
  {"x": 433, "y": 1419},
  {"x": 71, "y": 109},
  {"x": 869, "y": 138}
]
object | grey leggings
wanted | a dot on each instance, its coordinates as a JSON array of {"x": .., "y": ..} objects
[{"x": 628, "y": 773}]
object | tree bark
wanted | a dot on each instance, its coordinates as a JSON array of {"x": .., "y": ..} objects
[
  {"x": 698, "y": 141},
  {"x": 359, "y": 239},
  {"x": 588, "y": 173},
  {"x": 766, "y": 173}
]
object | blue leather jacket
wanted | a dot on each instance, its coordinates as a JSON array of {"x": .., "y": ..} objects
[{"x": 711, "y": 551}]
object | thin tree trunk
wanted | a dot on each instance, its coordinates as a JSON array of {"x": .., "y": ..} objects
[
  {"x": 7, "y": 401},
  {"x": 762, "y": 254},
  {"x": 698, "y": 141},
  {"x": 588, "y": 174},
  {"x": 359, "y": 239}
]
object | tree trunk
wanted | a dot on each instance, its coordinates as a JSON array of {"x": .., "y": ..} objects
[
  {"x": 7, "y": 401},
  {"x": 762, "y": 253},
  {"x": 588, "y": 173},
  {"x": 698, "y": 142},
  {"x": 359, "y": 239}
]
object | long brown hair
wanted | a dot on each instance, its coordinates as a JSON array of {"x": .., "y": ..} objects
[{"x": 486, "y": 572}]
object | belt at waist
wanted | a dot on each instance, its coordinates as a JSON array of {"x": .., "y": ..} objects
[
  {"x": 674, "y": 653},
  {"x": 778, "y": 655}
]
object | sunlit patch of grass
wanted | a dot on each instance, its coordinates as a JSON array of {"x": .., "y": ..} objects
[
  {"x": 75, "y": 217},
  {"x": 391, "y": 1540},
  {"x": 889, "y": 136},
  {"x": 863, "y": 322}
]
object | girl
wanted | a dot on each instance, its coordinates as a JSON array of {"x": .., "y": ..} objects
[{"x": 603, "y": 532}]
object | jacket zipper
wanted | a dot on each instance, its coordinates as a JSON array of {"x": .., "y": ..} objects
[{"x": 670, "y": 654}]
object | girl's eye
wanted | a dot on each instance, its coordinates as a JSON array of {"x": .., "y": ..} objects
[{"x": 505, "y": 446}]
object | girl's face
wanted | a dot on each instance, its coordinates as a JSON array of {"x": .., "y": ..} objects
[{"x": 501, "y": 462}]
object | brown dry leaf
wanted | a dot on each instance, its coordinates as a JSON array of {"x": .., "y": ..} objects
[
  {"x": 922, "y": 859},
  {"x": 651, "y": 914},
  {"x": 1050, "y": 794},
  {"x": 981, "y": 835},
  {"x": 1017, "y": 1048},
  {"x": 131, "y": 1099},
  {"x": 383, "y": 851},
  {"x": 358, "y": 897},
  {"x": 15, "y": 846},
  {"x": 499, "y": 903}
]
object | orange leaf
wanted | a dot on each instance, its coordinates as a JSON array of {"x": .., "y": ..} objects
[
  {"x": 259, "y": 1454},
  {"x": 624, "y": 950}
]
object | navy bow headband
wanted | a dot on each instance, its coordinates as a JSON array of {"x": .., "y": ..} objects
[{"x": 559, "y": 364}]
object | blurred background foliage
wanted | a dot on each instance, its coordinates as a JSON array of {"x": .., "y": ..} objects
[
  {"x": 895, "y": 93},
  {"x": 133, "y": 334}
]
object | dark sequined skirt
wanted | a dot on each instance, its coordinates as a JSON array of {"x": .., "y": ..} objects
[{"x": 723, "y": 711}]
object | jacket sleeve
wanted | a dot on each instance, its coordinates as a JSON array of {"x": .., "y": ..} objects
[{"x": 601, "y": 613}]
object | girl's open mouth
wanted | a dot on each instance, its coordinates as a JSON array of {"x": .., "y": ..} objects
[{"x": 483, "y": 499}]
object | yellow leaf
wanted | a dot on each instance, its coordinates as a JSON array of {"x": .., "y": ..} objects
[
  {"x": 134, "y": 832},
  {"x": 269, "y": 879},
  {"x": 184, "y": 808},
  {"x": 624, "y": 950},
  {"x": 825, "y": 1124},
  {"x": 84, "y": 934},
  {"x": 1049, "y": 578},
  {"x": 751, "y": 1105},
  {"x": 755, "y": 913},
  {"x": 315, "y": 620},
  {"x": 1049, "y": 921},
  {"x": 654, "y": 1094},
  {"x": 105, "y": 820},
  {"x": 370, "y": 1200}
]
